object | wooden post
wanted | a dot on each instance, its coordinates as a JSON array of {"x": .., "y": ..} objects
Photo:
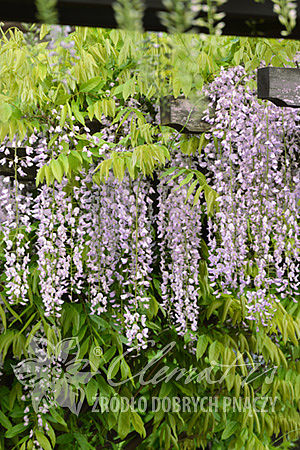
[
  {"x": 185, "y": 115},
  {"x": 279, "y": 85}
]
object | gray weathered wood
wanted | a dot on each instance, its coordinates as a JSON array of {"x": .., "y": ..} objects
[
  {"x": 279, "y": 85},
  {"x": 184, "y": 114}
]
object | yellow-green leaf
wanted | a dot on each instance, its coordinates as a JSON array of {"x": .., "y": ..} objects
[
  {"x": 138, "y": 424},
  {"x": 57, "y": 169}
]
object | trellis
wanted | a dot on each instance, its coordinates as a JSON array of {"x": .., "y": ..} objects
[
  {"x": 281, "y": 86},
  {"x": 243, "y": 18}
]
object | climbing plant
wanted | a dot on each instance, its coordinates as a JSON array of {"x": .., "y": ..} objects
[{"x": 142, "y": 263}]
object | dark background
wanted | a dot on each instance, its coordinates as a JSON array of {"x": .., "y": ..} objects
[{"x": 243, "y": 17}]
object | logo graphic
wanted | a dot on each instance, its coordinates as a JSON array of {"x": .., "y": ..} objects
[{"x": 54, "y": 374}]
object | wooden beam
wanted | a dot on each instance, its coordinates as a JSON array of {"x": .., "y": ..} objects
[
  {"x": 185, "y": 115},
  {"x": 243, "y": 17},
  {"x": 279, "y": 85}
]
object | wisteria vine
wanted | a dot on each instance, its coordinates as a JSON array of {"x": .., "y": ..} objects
[
  {"x": 101, "y": 244},
  {"x": 254, "y": 237}
]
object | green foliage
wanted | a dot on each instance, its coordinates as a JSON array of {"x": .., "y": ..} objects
[
  {"x": 46, "y": 11},
  {"x": 287, "y": 14},
  {"x": 129, "y": 14},
  {"x": 209, "y": 194},
  {"x": 180, "y": 15},
  {"x": 181, "y": 65}
]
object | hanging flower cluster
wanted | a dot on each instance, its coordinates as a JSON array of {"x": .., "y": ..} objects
[
  {"x": 95, "y": 243},
  {"x": 53, "y": 210},
  {"x": 49, "y": 208},
  {"x": 115, "y": 228},
  {"x": 254, "y": 237},
  {"x": 179, "y": 226},
  {"x": 15, "y": 214}
]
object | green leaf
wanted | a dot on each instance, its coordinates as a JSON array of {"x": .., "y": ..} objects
[
  {"x": 5, "y": 422},
  {"x": 91, "y": 391},
  {"x": 210, "y": 197},
  {"x": 57, "y": 417},
  {"x": 128, "y": 89},
  {"x": 82, "y": 441},
  {"x": 3, "y": 317},
  {"x": 10, "y": 309},
  {"x": 138, "y": 424},
  {"x": 51, "y": 435},
  {"x": 168, "y": 172},
  {"x": 5, "y": 111},
  {"x": 111, "y": 107},
  {"x": 57, "y": 169},
  {"x": 191, "y": 190},
  {"x": 94, "y": 357},
  {"x": 153, "y": 307},
  {"x": 197, "y": 195},
  {"x": 63, "y": 159},
  {"x": 49, "y": 175},
  {"x": 130, "y": 168},
  {"x": 214, "y": 352},
  {"x": 186, "y": 180},
  {"x": 119, "y": 168},
  {"x": 227, "y": 304},
  {"x": 63, "y": 115},
  {"x": 180, "y": 172},
  {"x": 44, "y": 31},
  {"x": 167, "y": 437},
  {"x": 105, "y": 167},
  {"x": 32, "y": 333},
  {"x": 189, "y": 146},
  {"x": 147, "y": 156},
  {"x": 97, "y": 110},
  {"x": 201, "y": 346},
  {"x": 66, "y": 438},
  {"x": 42, "y": 440},
  {"x": 75, "y": 160},
  {"x": 124, "y": 424},
  {"x": 40, "y": 175},
  {"x": 113, "y": 367},
  {"x": 202, "y": 143},
  {"x": 15, "y": 430},
  {"x": 229, "y": 430},
  {"x": 91, "y": 84},
  {"x": 78, "y": 115}
]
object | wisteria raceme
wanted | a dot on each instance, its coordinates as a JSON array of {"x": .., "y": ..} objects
[
  {"x": 53, "y": 210},
  {"x": 179, "y": 234},
  {"x": 15, "y": 227},
  {"x": 119, "y": 248},
  {"x": 254, "y": 237},
  {"x": 16, "y": 251}
]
